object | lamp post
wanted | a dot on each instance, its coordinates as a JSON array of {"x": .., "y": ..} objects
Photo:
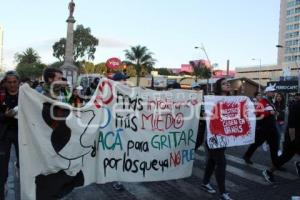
[
  {"x": 210, "y": 66},
  {"x": 259, "y": 70},
  {"x": 296, "y": 63}
]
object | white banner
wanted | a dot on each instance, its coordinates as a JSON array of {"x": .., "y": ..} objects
[
  {"x": 230, "y": 121},
  {"x": 122, "y": 134}
]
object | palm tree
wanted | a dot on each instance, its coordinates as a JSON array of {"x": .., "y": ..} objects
[
  {"x": 139, "y": 56},
  {"x": 29, "y": 56}
]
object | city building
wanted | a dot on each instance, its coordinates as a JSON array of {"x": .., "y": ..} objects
[
  {"x": 289, "y": 37},
  {"x": 1, "y": 48},
  {"x": 260, "y": 74}
]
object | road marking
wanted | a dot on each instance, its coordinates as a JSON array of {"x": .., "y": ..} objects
[
  {"x": 191, "y": 191},
  {"x": 259, "y": 167},
  {"x": 199, "y": 173},
  {"x": 241, "y": 173}
]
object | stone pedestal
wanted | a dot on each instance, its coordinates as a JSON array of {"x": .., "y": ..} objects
[{"x": 70, "y": 71}]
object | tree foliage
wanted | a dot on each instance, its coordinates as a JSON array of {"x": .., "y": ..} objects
[
  {"x": 90, "y": 68},
  {"x": 164, "y": 71},
  {"x": 56, "y": 64},
  {"x": 141, "y": 58},
  {"x": 29, "y": 64},
  {"x": 84, "y": 45},
  {"x": 32, "y": 71},
  {"x": 201, "y": 70},
  {"x": 29, "y": 56}
]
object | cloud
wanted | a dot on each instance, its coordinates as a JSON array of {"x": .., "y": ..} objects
[
  {"x": 44, "y": 49},
  {"x": 112, "y": 43}
]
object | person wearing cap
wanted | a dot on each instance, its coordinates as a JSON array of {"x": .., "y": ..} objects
[
  {"x": 265, "y": 127},
  {"x": 291, "y": 143},
  {"x": 8, "y": 125},
  {"x": 122, "y": 78}
]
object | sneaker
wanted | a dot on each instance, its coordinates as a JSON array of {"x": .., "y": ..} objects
[
  {"x": 268, "y": 176},
  {"x": 297, "y": 165},
  {"x": 265, "y": 146},
  {"x": 118, "y": 186},
  {"x": 225, "y": 196},
  {"x": 208, "y": 188},
  {"x": 279, "y": 153},
  {"x": 247, "y": 160}
]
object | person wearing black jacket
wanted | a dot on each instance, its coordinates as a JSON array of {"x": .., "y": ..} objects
[
  {"x": 280, "y": 120},
  {"x": 215, "y": 158},
  {"x": 292, "y": 142},
  {"x": 8, "y": 125}
]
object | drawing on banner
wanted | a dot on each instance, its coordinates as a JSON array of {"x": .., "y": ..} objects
[
  {"x": 231, "y": 121},
  {"x": 124, "y": 134},
  {"x": 56, "y": 117}
]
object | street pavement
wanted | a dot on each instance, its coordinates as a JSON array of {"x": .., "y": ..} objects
[{"x": 243, "y": 181}]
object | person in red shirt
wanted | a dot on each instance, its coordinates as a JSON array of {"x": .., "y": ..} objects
[{"x": 265, "y": 127}]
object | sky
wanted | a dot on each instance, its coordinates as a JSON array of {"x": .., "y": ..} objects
[{"x": 238, "y": 30}]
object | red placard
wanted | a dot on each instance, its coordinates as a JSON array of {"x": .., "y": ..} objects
[{"x": 113, "y": 63}]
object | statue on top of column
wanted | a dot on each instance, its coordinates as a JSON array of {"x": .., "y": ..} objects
[{"x": 71, "y": 8}]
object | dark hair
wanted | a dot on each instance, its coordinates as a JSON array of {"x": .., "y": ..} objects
[
  {"x": 49, "y": 72},
  {"x": 25, "y": 80},
  {"x": 256, "y": 93},
  {"x": 218, "y": 87},
  {"x": 35, "y": 84},
  {"x": 281, "y": 95},
  {"x": 11, "y": 73}
]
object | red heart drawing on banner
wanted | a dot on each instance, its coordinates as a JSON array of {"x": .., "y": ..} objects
[{"x": 104, "y": 99}]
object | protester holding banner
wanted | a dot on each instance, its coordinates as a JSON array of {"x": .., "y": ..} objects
[
  {"x": 266, "y": 127},
  {"x": 120, "y": 77},
  {"x": 56, "y": 185},
  {"x": 292, "y": 143},
  {"x": 215, "y": 158},
  {"x": 8, "y": 125}
]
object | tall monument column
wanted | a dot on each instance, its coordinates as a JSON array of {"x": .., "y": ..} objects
[{"x": 70, "y": 71}]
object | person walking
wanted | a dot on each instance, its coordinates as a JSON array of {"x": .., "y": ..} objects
[
  {"x": 215, "y": 158},
  {"x": 8, "y": 125},
  {"x": 265, "y": 127},
  {"x": 59, "y": 184},
  {"x": 121, "y": 78},
  {"x": 291, "y": 143},
  {"x": 280, "y": 121}
]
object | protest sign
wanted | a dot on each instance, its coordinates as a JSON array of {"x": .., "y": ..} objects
[
  {"x": 230, "y": 121},
  {"x": 122, "y": 134}
]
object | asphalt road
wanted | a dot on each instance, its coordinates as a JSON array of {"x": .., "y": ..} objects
[{"x": 243, "y": 181}]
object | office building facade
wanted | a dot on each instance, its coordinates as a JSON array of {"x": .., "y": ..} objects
[
  {"x": 289, "y": 36},
  {"x": 1, "y": 48}
]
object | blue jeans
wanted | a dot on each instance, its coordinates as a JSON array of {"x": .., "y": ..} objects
[{"x": 280, "y": 130}]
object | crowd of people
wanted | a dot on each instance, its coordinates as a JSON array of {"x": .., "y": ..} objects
[{"x": 279, "y": 131}]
